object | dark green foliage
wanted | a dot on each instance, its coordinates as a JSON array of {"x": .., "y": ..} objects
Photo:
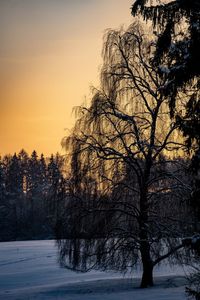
[
  {"x": 181, "y": 45},
  {"x": 190, "y": 122},
  {"x": 190, "y": 126},
  {"x": 27, "y": 209},
  {"x": 56, "y": 190},
  {"x": 4, "y": 205}
]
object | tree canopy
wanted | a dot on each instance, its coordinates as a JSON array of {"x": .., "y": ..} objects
[
  {"x": 121, "y": 172},
  {"x": 177, "y": 24}
]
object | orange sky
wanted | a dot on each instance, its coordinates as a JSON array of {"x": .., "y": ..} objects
[{"x": 50, "y": 54}]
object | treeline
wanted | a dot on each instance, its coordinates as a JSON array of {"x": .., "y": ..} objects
[{"x": 31, "y": 191}]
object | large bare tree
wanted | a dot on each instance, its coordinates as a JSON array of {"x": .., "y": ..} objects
[{"x": 127, "y": 193}]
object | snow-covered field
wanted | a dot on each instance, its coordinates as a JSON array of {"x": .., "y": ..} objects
[{"x": 29, "y": 270}]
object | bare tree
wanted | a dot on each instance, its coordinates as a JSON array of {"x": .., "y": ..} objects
[{"x": 127, "y": 195}]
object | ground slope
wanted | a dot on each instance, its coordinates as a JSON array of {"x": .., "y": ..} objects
[{"x": 29, "y": 270}]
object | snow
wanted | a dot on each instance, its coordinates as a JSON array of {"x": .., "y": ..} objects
[{"x": 29, "y": 270}]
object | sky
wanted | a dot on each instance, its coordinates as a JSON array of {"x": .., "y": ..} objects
[{"x": 50, "y": 56}]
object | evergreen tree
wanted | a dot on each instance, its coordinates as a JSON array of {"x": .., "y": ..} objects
[
  {"x": 14, "y": 192},
  {"x": 26, "y": 186},
  {"x": 36, "y": 194},
  {"x": 24, "y": 166},
  {"x": 34, "y": 172},
  {"x": 181, "y": 45},
  {"x": 42, "y": 170},
  {"x": 190, "y": 126},
  {"x": 177, "y": 24},
  {"x": 56, "y": 189},
  {"x": 32, "y": 184},
  {"x": 2, "y": 181},
  {"x": 3, "y": 205},
  {"x": 7, "y": 217}
]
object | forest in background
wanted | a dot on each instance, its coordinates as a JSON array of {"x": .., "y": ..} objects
[{"x": 31, "y": 193}]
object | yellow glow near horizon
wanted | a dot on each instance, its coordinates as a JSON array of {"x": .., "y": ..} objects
[{"x": 50, "y": 54}]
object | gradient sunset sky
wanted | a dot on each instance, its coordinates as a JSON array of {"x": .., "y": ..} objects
[{"x": 50, "y": 55}]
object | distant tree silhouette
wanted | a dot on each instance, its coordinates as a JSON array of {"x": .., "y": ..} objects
[
  {"x": 2, "y": 180},
  {"x": 25, "y": 193},
  {"x": 4, "y": 205},
  {"x": 56, "y": 189},
  {"x": 14, "y": 191}
]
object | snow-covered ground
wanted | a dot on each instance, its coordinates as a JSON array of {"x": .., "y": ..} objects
[{"x": 29, "y": 270}]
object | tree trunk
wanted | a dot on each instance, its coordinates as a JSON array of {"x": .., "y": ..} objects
[{"x": 147, "y": 276}]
